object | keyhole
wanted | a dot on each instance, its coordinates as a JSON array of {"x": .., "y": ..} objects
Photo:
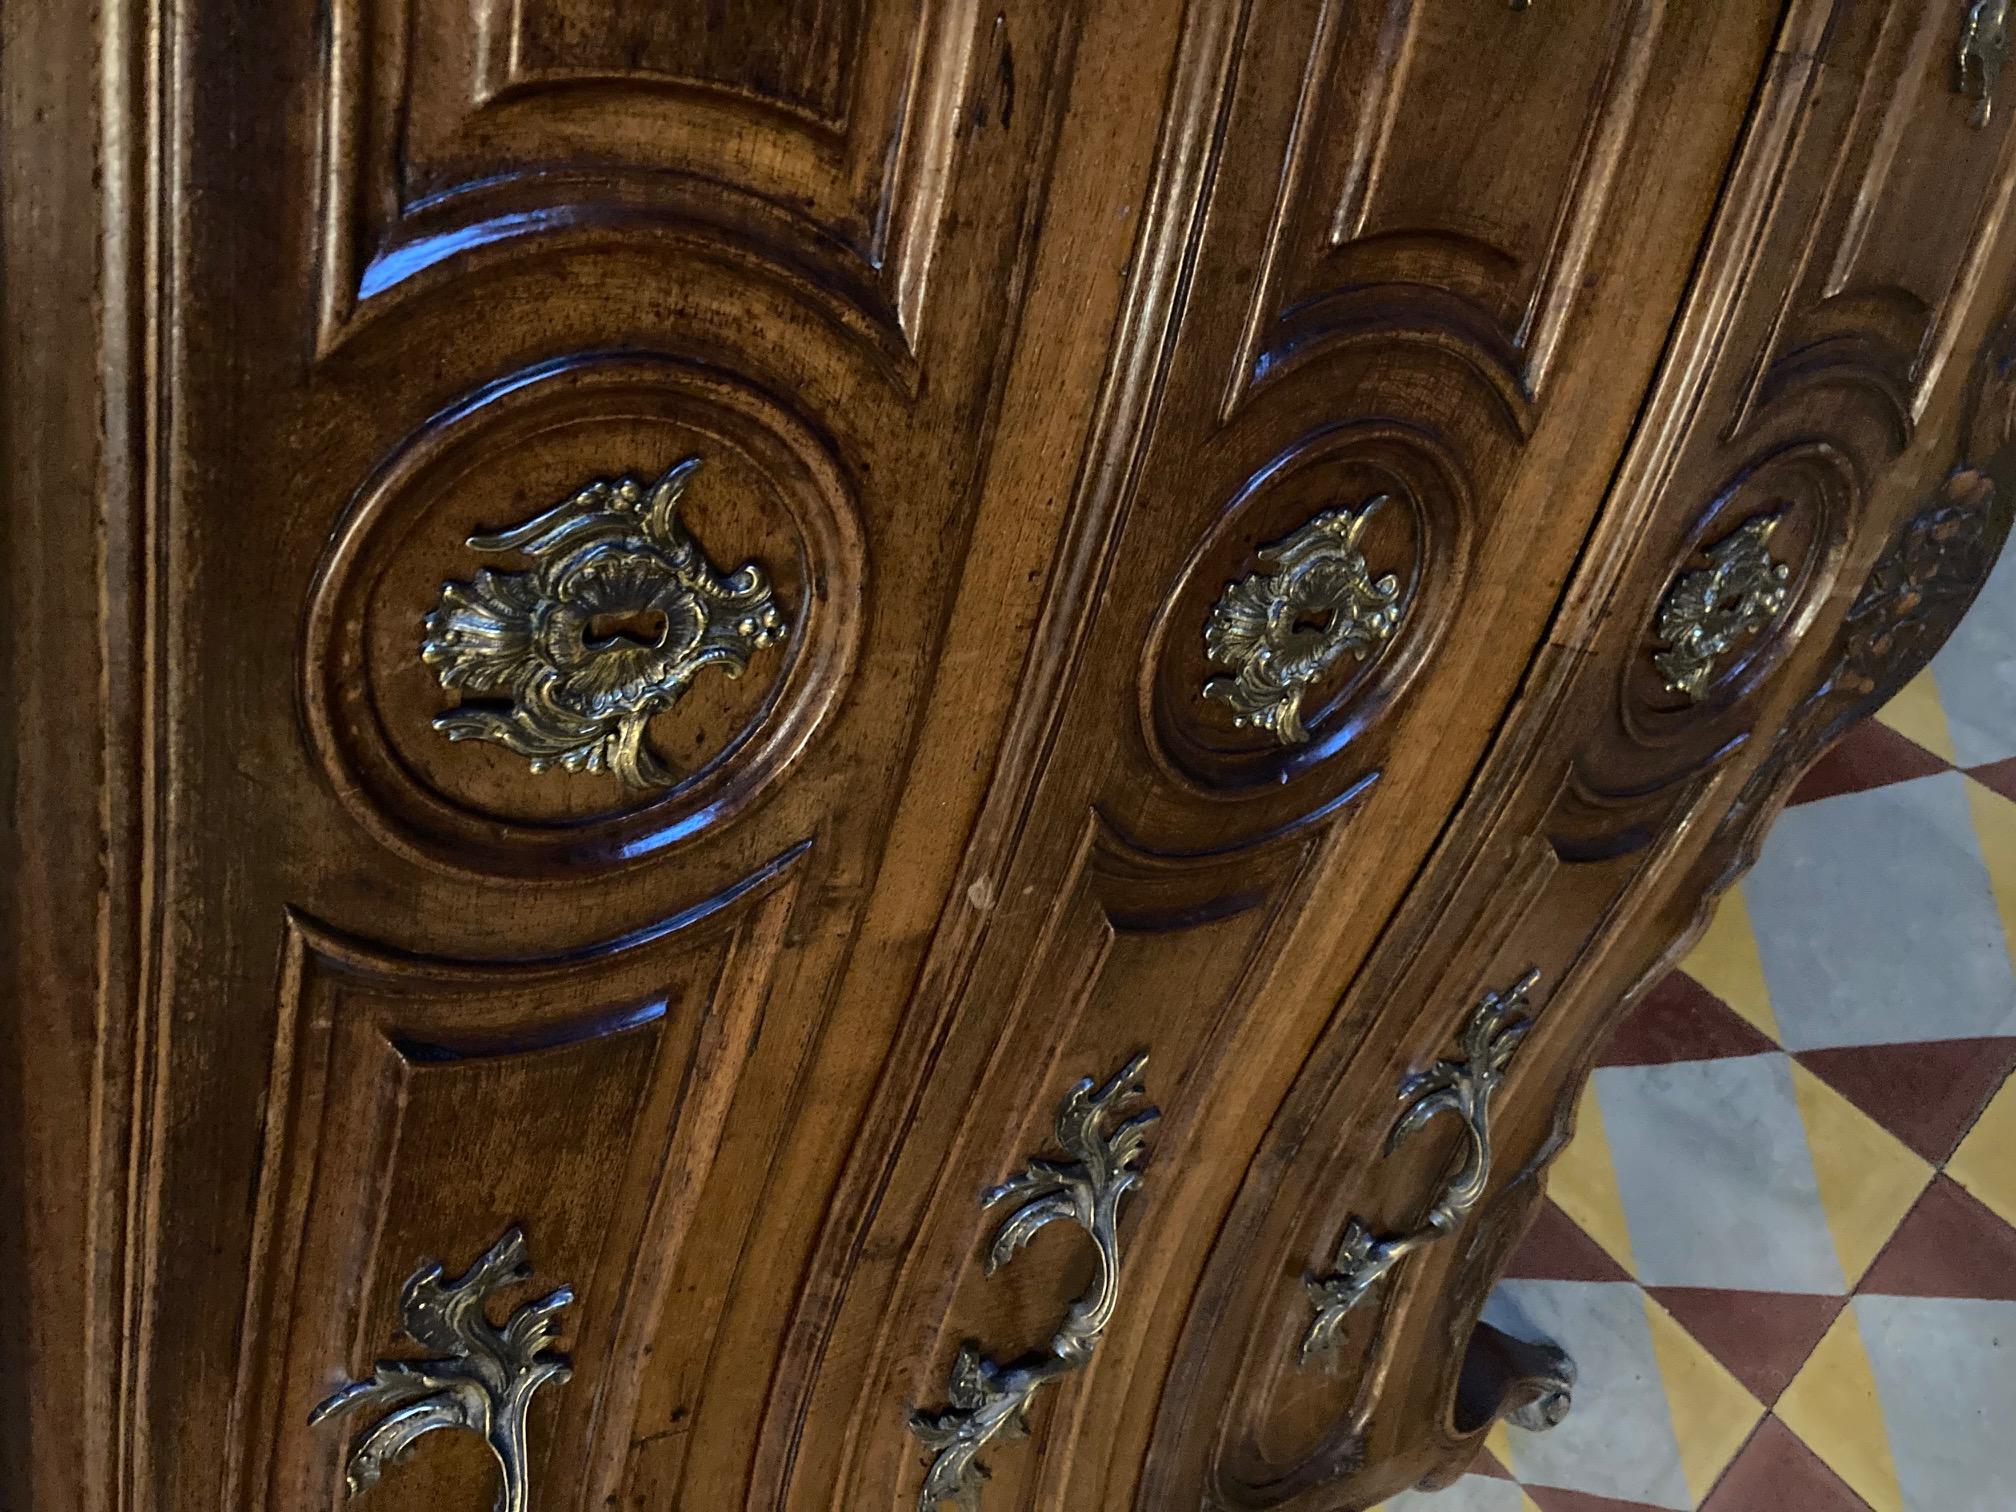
[
  {"x": 631, "y": 627},
  {"x": 1314, "y": 622}
]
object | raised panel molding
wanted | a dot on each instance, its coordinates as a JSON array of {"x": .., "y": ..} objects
[
  {"x": 422, "y": 1106},
  {"x": 1254, "y": 1423},
  {"x": 1887, "y": 270},
  {"x": 1127, "y": 929},
  {"x": 803, "y": 63},
  {"x": 821, "y": 160},
  {"x": 1383, "y": 186}
]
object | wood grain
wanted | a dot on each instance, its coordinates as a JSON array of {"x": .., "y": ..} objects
[{"x": 1008, "y": 338}]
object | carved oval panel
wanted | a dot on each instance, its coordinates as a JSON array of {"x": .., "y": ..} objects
[
  {"x": 807, "y": 142},
  {"x": 588, "y": 612},
  {"x": 1326, "y": 581},
  {"x": 1754, "y": 568}
]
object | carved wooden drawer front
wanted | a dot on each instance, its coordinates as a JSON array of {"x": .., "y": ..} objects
[
  {"x": 414, "y": 1100},
  {"x": 1830, "y": 489},
  {"x": 820, "y": 757}
]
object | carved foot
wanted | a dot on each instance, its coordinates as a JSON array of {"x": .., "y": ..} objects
[
  {"x": 1529, "y": 1385},
  {"x": 1553, "y": 1393}
]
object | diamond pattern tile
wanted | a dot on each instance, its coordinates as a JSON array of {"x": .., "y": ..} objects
[
  {"x": 1944, "y": 1379},
  {"x": 1928, "y": 1094},
  {"x": 1975, "y": 674},
  {"x": 1778, "y": 1473},
  {"x": 1782, "y": 1245},
  {"x": 1761, "y": 1338},
  {"x": 1841, "y": 901},
  {"x": 1718, "y": 1182}
]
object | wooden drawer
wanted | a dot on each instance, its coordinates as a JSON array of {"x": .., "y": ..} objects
[
  {"x": 697, "y": 626},
  {"x": 1175, "y": 883},
  {"x": 1613, "y": 808}
]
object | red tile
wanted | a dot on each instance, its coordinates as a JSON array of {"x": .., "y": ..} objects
[
  {"x": 1775, "y": 1472},
  {"x": 1489, "y": 1464},
  {"x": 1948, "y": 1245},
  {"x": 1762, "y": 1337},
  {"x": 1928, "y": 1093},
  {"x": 1557, "y": 1248},
  {"x": 1680, "y": 1020},
  {"x": 1999, "y": 775},
  {"x": 1871, "y": 755}
]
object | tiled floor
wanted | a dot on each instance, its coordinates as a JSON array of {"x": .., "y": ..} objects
[{"x": 1782, "y": 1247}]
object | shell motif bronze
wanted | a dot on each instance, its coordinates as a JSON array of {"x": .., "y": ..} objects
[{"x": 567, "y": 663}]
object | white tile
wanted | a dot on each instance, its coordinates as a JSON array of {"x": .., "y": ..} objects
[
  {"x": 1945, "y": 1372},
  {"x": 1618, "y": 1440},
  {"x": 1976, "y": 672},
  {"x": 1876, "y": 923},
  {"x": 1716, "y": 1179},
  {"x": 1473, "y": 1493}
]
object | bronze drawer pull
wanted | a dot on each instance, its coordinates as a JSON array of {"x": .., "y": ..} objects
[
  {"x": 483, "y": 1379},
  {"x": 1464, "y": 1087},
  {"x": 990, "y": 1400}
]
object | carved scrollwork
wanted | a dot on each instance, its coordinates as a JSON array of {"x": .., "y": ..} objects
[
  {"x": 990, "y": 1401},
  {"x": 482, "y": 1381},
  {"x": 1928, "y": 574},
  {"x": 1281, "y": 629},
  {"x": 613, "y": 555},
  {"x": 1464, "y": 1087},
  {"x": 1710, "y": 610},
  {"x": 1910, "y": 603},
  {"x": 1984, "y": 48},
  {"x": 1920, "y": 586}
]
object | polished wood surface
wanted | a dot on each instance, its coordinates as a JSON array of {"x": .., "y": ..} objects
[{"x": 1007, "y": 340}]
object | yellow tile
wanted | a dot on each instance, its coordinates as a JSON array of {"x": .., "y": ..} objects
[
  {"x": 1499, "y": 1442},
  {"x": 1917, "y": 714},
  {"x": 1726, "y": 962},
  {"x": 1868, "y": 1179},
  {"x": 1712, "y": 1411},
  {"x": 1583, "y": 1182},
  {"x": 1985, "y": 1163},
  {"x": 1832, "y": 1405},
  {"x": 1995, "y": 825}
]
